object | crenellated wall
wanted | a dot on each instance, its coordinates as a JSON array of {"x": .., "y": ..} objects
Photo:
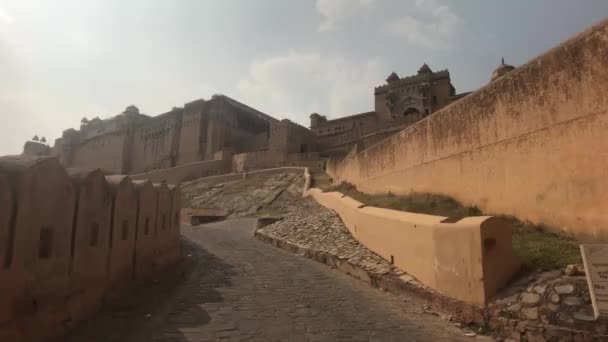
[
  {"x": 68, "y": 237},
  {"x": 531, "y": 144}
]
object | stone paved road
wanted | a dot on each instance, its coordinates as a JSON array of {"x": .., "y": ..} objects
[{"x": 244, "y": 290}]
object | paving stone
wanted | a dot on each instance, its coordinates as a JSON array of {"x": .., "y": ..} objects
[
  {"x": 530, "y": 313},
  {"x": 514, "y": 308},
  {"x": 583, "y": 316},
  {"x": 555, "y": 298},
  {"x": 571, "y": 300},
  {"x": 242, "y": 289},
  {"x": 564, "y": 289},
  {"x": 530, "y": 298}
]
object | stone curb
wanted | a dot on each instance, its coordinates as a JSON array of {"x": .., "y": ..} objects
[
  {"x": 390, "y": 282},
  {"x": 461, "y": 312}
]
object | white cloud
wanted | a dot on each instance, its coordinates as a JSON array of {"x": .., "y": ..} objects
[
  {"x": 5, "y": 17},
  {"x": 335, "y": 11},
  {"x": 297, "y": 84},
  {"x": 433, "y": 28}
]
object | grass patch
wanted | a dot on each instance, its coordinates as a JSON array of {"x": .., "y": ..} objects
[{"x": 536, "y": 246}]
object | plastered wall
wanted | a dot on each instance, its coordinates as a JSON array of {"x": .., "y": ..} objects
[
  {"x": 186, "y": 172},
  {"x": 155, "y": 143},
  {"x": 63, "y": 245},
  {"x": 531, "y": 144},
  {"x": 468, "y": 260},
  {"x": 103, "y": 151}
]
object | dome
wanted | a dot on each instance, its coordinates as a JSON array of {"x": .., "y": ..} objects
[
  {"x": 132, "y": 109},
  {"x": 424, "y": 69},
  {"x": 501, "y": 70},
  {"x": 392, "y": 77}
]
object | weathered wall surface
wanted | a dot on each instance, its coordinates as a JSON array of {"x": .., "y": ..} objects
[
  {"x": 190, "y": 140},
  {"x": 56, "y": 244},
  {"x": 181, "y": 173},
  {"x": 122, "y": 237},
  {"x": 468, "y": 260},
  {"x": 91, "y": 243},
  {"x": 530, "y": 144},
  {"x": 103, "y": 151},
  {"x": 254, "y": 160},
  {"x": 155, "y": 143},
  {"x": 244, "y": 162}
]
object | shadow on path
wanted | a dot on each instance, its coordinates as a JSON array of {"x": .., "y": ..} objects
[{"x": 172, "y": 301}]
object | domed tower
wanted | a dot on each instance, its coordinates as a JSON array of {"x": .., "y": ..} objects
[
  {"x": 501, "y": 70},
  {"x": 392, "y": 78},
  {"x": 425, "y": 69}
]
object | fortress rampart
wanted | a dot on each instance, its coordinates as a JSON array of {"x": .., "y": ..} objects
[{"x": 69, "y": 237}]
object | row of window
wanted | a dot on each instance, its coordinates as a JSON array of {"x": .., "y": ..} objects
[
  {"x": 45, "y": 244},
  {"x": 329, "y": 130}
]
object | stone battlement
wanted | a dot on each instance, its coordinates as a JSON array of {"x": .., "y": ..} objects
[{"x": 69, "y": 237}]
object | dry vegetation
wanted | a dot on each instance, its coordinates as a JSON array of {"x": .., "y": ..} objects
[{"x": 537, "y": 247}]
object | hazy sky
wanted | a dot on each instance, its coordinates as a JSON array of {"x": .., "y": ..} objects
[{"x": 61, "y": 60}]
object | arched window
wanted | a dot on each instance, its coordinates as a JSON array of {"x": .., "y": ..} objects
[{"x": 410, "y": 111}]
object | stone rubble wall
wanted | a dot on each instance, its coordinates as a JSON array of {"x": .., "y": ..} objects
[
  {"x": 70, "y": 237},
  {"x": 469, "y": 260},
  {"x": 519, "y": 146}
]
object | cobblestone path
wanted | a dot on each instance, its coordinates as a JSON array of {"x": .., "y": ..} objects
[{"x": 240, "y": 289}]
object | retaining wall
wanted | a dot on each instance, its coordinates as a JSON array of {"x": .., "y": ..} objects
[
  {"x": 469, "y": 260},
  {"x": 186, "y": 172},
  {"x": 65, "y": 241},
  {"x": 531, "y": 144}
]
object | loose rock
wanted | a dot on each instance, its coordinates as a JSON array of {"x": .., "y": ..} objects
[
  {"x": 571, "y": 301},
  {"x": 530, "y": 298},
  {"x": 530, "y": 313},
  {"x": 564, "y": 289}
]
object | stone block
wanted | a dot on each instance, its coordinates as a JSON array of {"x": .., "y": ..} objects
[
  {"x": 91, "y": 242},
  {"x": 42, "y": 244},
  {"x": 163, "y": 234},
  {"x": 174, "y": 237},
  {"x": 7, "y": 206},
  {"x": 145, "y": 241},
  {"x": 530, "y": 298},
  {"x": 124, "y": 218}
]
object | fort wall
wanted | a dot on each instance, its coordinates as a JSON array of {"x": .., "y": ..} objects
[
  {"x": 190, "y": 139},
  {"x": 181, "y": 173},
  {"x": 57, "y": 235},
  {"x": 103, "y": 151},
  {"x": 530, "y": 144},
  {"x": 155, "y": 142}
]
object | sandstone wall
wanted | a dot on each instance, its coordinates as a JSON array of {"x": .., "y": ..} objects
[
  {"x": 68, "y": 239},
  {"x": 105, "y": 152},
  {"x": 244, "y": 162},
  {"x": 191, "y": 141},
  {"x": 469, "y": 260},
  {"x": 155, "y": 143},
  {"x": 186, "y": 172},
  {"x": 530, "y": 144}
]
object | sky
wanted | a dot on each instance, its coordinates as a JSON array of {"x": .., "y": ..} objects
[{"x": 62, "y": 60}]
